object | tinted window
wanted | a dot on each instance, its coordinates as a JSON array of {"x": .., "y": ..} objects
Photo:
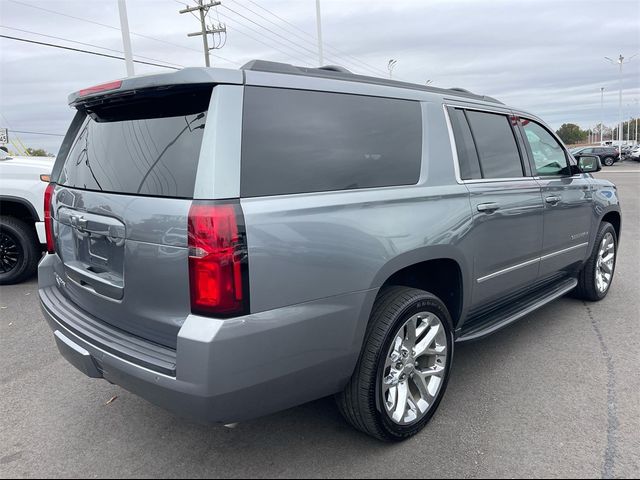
[
  {"x": 548, "y": 154},
  {"x": 117, "y": 151},
  {"x": 300, "y": 141},
  {"x": 496, "y": 144},
  {"x": 467, "y": 154}
]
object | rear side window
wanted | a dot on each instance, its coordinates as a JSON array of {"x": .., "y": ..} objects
[
  {"x": 140, "y": 147},
  {"x": 297, "y": 141},
  {"x": 496, "y": 145}
]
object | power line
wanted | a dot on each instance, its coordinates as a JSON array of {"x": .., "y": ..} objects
[
  {"x": 83, "y": 51},
  {"x": 253, "y": 29},
  {"x": 337, "y": 53},
  {"x": 37, "y": 133},
  {"x": 86, "y": 44},
  {"x": 115, "y": 28},
  {"x": 288, "y": 54},
  {"x": 269, "y": 30}
]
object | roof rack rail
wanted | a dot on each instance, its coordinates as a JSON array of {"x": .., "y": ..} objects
[
  {"x": 458, "y": 89},
  {"x": 334, "y": 68},
  {"x": 341, "y": 73}
]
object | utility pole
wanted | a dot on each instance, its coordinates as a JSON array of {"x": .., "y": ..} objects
[
  {"x": 601, "y": 112},
  {"x": 126, "y": 38},
  {"x": 319, "y": 27},
  {"x": 203, "y": 9}
]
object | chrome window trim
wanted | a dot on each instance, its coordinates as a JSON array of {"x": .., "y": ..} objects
[{"x": 531, "y": 262}]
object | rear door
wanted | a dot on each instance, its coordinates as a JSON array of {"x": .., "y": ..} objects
[
  {"x": 568, "y": 199},
  {"x": 505, "y": 200},
  {"x": 120, "y": 210}
]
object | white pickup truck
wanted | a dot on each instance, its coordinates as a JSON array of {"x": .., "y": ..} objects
[{"x": 23, "y": 181}]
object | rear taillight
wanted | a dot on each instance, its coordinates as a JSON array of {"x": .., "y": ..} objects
[
  {"x": 218, "y": 277},
  {"x": 48, "y": 222}
]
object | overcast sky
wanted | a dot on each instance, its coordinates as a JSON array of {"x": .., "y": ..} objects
[{"x": 542, "y": 56}]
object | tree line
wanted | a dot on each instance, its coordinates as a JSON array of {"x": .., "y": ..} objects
[{"x": 570, "y": 133}]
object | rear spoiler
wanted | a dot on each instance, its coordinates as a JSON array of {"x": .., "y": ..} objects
[{"x": 128, "y": 86}]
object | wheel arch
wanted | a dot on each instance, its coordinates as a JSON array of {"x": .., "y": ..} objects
[
  {"x": 18, "y": 208},
  {"x": 614, "y": 218},
  {"x": 441, "y": 270}
]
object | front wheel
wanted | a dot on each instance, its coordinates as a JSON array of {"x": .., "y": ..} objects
[
  {"x": 596, "y": 275},
  {"x": 404, "y": 366},
  {"x": 608, "y": 161}
]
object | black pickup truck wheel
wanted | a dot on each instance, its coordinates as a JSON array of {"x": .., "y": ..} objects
[{"x": 19, "y": 251}]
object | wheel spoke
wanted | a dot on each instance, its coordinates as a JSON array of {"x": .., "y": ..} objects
[
  {"x": 410, "y": 331},
  {"x": 401, "y": 403},
  {"x": 426, "y": 342}
]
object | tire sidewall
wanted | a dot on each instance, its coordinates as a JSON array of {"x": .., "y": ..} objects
[
  {"x": 608, "y": 161},
  {"x": 429, "y": 304},
  {"x": 604, "y": 229},
  {"x": 22, "y": 241}
]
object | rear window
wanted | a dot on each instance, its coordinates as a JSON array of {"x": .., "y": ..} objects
[
  {"x": 298, "y": 141},
  {"x": 148, "y": 146}
]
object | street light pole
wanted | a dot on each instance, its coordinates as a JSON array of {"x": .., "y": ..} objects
[
  {"x": 620, "y": 63},
  {"x": 126, "y": 38},
  {"x": 319, "y": 26},
  {"x": 601, "y": 112}
]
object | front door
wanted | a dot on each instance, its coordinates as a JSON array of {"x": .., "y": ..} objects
[{"x": 568, "y": 200}]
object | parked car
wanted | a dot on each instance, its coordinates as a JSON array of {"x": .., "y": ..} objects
[
  {"x": 228, "y": 244},
  {"x": 634, "y": 154},
  {"x": 22, "y": 228},
  {"x": 608, "y": 155}
]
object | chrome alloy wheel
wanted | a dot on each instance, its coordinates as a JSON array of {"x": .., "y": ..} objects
[
  {"x": 604, "y": 266},
  {"x": 414, "y": 368}
]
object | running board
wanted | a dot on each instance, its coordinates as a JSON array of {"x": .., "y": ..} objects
[{"x": 493, "y": 321}]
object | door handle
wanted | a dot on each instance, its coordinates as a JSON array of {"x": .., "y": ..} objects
[
  {"x": 488, "y": 207},
  {"x": 553, "y": 199}
]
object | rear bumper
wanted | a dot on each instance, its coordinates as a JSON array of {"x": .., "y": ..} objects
[{"x": 227, "y": 371}]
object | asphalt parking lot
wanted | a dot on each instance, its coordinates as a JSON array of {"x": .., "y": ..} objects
[{"x": 555, "y": 395}]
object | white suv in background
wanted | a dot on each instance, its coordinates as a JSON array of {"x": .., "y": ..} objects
[{"x": 23, "y": 181}]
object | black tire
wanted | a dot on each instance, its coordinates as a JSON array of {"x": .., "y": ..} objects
[
  {"x": 360, "y": 402},
  {"x": 19, "y": 242},
  {"x": 586, "y": 289},
  {"x": 608, "y": 161}
]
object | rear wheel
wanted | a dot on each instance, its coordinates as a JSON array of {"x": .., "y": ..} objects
[
  {"x": 608, "y": 161},
  {"x": 596, "y": 275},
  {"x": 19, "y": 251},
  {"x": 404, "y": 366}
]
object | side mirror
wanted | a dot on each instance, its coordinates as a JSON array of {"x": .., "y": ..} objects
[{"x": 589, "y": 163}]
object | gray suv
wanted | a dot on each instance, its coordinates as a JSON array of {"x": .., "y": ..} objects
[{"x": 231, "y": 243}]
